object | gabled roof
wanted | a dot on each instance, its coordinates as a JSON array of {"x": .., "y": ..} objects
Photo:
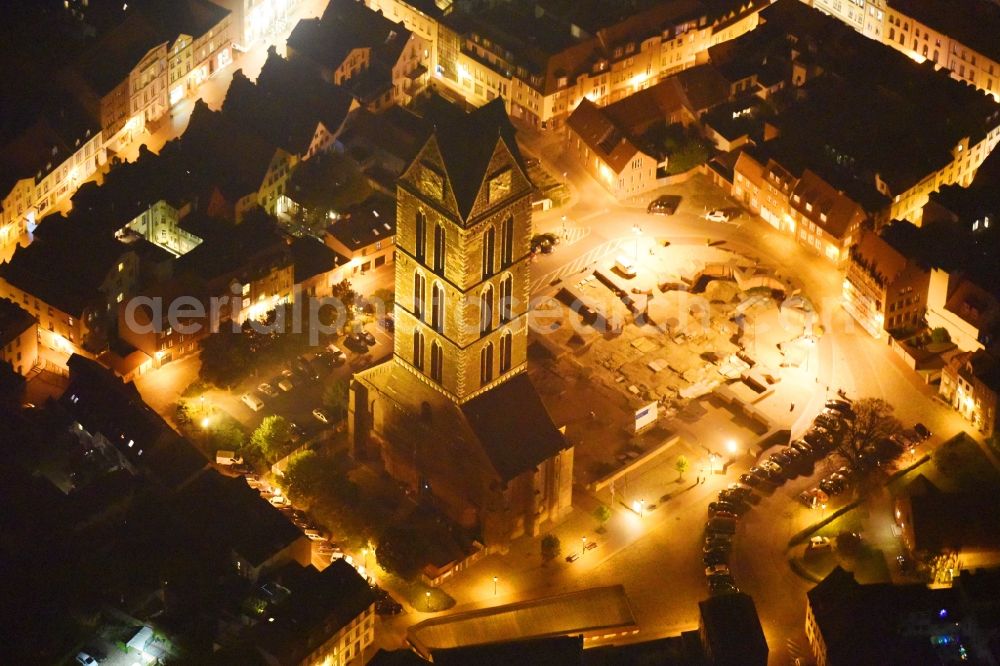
[
  {"x": 828, "y": 208},
  {"x": 467, "y": 143},
  {"x": 513, "y": 427},
  {"x": 602, "y": 135},
  {"x": 263, "y": 106},
  {"x": 347, "y": 25}
]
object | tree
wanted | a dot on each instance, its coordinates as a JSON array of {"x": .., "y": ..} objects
[
  {"x": 335, "y": 398},
  {"x": 872, "y": 422},
  {"x": 550, "y": 547},
  {"x": 271, "y": 436},
  {"x": 225, "y": 357},
  {"x": 227, "y": 436},
  {"x": 681, "y": 466},
  {"x": 940, "y": 335},
  {"x": 602, "y": 514}
]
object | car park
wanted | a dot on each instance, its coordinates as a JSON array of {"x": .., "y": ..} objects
[{"x": 267, "y": 390}]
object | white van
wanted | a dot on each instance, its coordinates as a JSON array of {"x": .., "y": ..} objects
[
  {"x": 624, "y": 267},
  {"x": 252, "y": 401}
]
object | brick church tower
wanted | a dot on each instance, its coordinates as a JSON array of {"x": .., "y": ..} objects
[{"x": 454, "y": 413}]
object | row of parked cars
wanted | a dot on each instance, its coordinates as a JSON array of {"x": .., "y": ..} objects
[{"x": 723, "y": 514}]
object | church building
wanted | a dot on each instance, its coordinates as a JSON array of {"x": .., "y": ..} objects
[{"x": 453, "y": 415}]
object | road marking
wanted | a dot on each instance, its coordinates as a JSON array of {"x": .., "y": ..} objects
[{"x": 592, "y": 256}]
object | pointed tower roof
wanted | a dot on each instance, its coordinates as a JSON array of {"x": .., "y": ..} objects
[{"x": 467, "y": 142}]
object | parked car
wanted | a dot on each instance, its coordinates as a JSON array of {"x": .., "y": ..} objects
[
  {"x": 813, "y": 498},
  {"x": 832, "y": 486},
  {"x": 278, "y": 501},
  {"x": 922, "y": 431},
  {"x": 803, "y": 447},
  {"x": 252, "y": 401},
  {"x": 753, "y": 479},
  {"x": 268, "y": 390},
  {"x": 368, "y": 337},
  {"x": 356, "y": 343},
  {"x": 721, "y": 525},
  {"x": 286, "y": 384},
  {"x": 737, "y": 495},
  {"x": 715, "y": 507},
  {"x": 388, "y": 323},
  {"x": 717, "y": 546},
  {"x": 315, "y": 535},
  {"x": 714, "y": 569},
  {"x": 718, "y": 215},
  {"x": 715, "y": 557},
  {"x": 338, "y": 354},
  {"x": 85, "y": 659},
  {"x": 321, "y": 415},
  {"x": 664, "y": 205},
  {"x": 839, "y": 405},
  {"x": 818, "y": 543}
]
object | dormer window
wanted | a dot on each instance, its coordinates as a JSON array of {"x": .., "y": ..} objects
[{"x": 809, "y": 207}]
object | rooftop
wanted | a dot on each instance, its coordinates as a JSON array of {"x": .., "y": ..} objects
[
  {"x": 14, "y": 320},
  {"x": 366, "y": 223},
  {"x": 592, "y": 609},
  {"x": 732, "y": 630}
]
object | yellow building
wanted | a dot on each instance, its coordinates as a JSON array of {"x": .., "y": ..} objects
[
  {"x": 594, "y": 52},
  {"x": 18, "y": 337},
  {"x": 454, "y": 413}
]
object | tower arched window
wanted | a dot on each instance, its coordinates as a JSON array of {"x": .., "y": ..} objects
[
  {"x": 439, "y": 249},
  {"x": 437, "y": 361},
  {"x": 507, "y": 242},
  {"x": 437, "y": 307},
  {"x": 486, "y": 309},
  {"x": 418, "y": 350},
  {"x": 506, "y": 351},
  {"x": 486, "y": 364},
  {"x": 489, "y": 249},
  {"x": 506, "y": 298},
  {"x": 419, "y": 295},
  {"x": 420, "y": 242}
]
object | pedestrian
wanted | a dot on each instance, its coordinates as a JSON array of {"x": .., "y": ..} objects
[{"x": 792, "y": 408}]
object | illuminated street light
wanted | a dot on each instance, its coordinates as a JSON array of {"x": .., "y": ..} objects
[
  {"x": 495, "y": 579},
  {"x": 427, "y": 600},
  {"x": 204, "y": 422},
  {"x": 732, "y": 446},
  {"x": 583, "y": 545}
]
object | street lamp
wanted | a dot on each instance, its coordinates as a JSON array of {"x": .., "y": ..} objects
[
  {"x": 495, "y": 585},
  {"x": 427, "y": 600},
  {"x": 204, "y": 423},
  {"x": 732, "y": 447},
  {"x": 583, "y": 545}
]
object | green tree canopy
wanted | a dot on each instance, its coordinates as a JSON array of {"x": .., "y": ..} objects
[
  {"x": 225, "y": 357},
  {"x": 335, "y": 398},
  {"x": 681, "y": 465},
  {"x": 602, "y": 514},
  {"x": 271, "y": 437}
]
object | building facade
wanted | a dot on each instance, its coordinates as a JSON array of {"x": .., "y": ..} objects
[
  {"x": 18, "y": 337},
  {"x": 971, "y": 383}
]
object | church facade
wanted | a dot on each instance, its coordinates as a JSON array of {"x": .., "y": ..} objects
[{"x": 454, "y": 415}]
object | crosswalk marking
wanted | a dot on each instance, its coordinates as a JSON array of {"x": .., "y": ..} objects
[{"x": 580, "y": 263}]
